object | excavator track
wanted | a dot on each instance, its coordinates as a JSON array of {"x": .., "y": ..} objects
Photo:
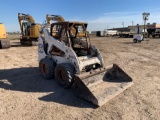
[
  {"x": 4, "y": 44},
  {"x": 29, "y": 42}
]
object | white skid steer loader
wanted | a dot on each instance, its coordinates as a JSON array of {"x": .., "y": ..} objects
[{"x": 66, "y": 54}]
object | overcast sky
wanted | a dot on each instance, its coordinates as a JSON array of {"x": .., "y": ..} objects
[{"x": 100, "y": 14}]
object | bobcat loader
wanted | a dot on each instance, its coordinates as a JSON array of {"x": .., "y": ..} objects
[{"x": 66, "y": 54}]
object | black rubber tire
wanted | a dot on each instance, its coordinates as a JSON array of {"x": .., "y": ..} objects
[
  {"x": 135, "y": 40},
  {"x": 153, "y": 36},
  {"x": 47, "y": 68},
  {"x": 64, "y": 74}
]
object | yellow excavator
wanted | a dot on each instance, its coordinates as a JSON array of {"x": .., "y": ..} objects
[
  {"x": 4, "y": 43},
  {"x": 29, "y": 29}
]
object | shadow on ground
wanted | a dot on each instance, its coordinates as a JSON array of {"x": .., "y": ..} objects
[
  {"x": 18, "y": 44},
  {"x": 30, "y": 80},
  {"x": 129, "y": 43}
]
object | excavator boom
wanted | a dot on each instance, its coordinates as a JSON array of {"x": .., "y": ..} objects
[{"x": 57, "y": 18}]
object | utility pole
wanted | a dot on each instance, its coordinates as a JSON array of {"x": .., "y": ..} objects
[
  {"x": 145, "y": 18},
  {"x": 123, "y": 24},
  {"x": 132, "y": 24}
]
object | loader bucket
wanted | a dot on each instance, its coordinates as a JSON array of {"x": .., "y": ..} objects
[{"x": 101, "y": 85}]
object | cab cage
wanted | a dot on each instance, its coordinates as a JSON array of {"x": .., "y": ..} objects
[{"x": 67, "y": 27}]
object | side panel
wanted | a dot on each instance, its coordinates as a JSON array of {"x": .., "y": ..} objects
[
  {"x": 34, "y": 31},
  {"x": 41, "y": 53},
  {"x": 69, "y": 53},
  {"x": 2, "y": 31}
]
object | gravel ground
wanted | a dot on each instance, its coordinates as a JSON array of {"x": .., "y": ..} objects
[{"x": 25, "y": 95}]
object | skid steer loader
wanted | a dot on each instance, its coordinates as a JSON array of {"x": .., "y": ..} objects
[{"x": 66, "y": 54}]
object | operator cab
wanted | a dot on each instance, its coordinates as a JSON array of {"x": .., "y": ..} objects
[
  {"x": 73, "y": 34},
  {"x": 28, "y": 28}
]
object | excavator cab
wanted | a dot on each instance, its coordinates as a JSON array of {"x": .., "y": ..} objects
[{"x": 25, "y": 29}]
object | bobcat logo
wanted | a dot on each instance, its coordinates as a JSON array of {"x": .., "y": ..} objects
[{"x": 40, "y": 48}]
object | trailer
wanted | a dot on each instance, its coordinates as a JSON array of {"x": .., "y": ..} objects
[
  {"x": 153, "y": 30},
  {"x": 106, "y": 33},
  {"x": 127, "y": 33}
]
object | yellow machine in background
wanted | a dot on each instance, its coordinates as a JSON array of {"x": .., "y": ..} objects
[
  {"x": 2, "y": 31},
  {"x": 3, "y": 42},
  {"x": 56, "y": 18},
  {"x": 29, "y": 29}
]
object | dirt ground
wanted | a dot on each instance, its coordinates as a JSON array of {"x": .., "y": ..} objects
[{"x": 25, "y": 95}]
